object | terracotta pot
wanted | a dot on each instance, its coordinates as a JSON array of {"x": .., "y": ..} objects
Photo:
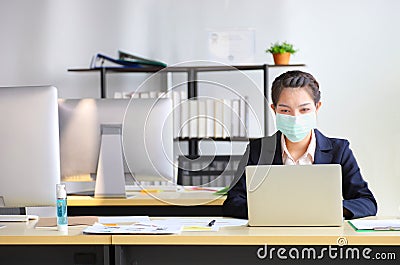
[{"x": 281, "y": 58}]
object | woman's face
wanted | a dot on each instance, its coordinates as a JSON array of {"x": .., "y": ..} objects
[{"x": 295, "y": 101}]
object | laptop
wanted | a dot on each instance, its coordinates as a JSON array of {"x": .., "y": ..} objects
[{"x": 300, "y": 195}]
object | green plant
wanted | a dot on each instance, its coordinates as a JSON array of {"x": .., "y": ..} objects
[{"x": 281, "y": 47}]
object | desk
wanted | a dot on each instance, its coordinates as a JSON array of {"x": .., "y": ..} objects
[
  {"x": 230, "y": 245},
  {"x": 192, "y": 203},
  {"x": 240, "y": 245},
  {"x": 21, "y": 243}
]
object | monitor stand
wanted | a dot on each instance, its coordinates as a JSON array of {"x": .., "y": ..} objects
[
  {"x": 10, "y": 210},
  {"x": 110, "y": 178}
]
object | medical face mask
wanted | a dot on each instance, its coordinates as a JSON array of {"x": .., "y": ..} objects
[{"x": 296, "y": 128}]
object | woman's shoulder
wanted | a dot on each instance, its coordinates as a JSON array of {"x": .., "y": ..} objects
[{"x": 326, "y": 142}]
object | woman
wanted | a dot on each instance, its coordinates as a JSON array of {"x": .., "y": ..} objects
[{"x": 296, "y": 102}]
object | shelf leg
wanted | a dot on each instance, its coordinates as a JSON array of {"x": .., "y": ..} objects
[
  {"x": 192, "y": 83},
  {"x": 103, "y": 83},
  {"x": 192, "y": 93},
  {"x": 265, "y": 100}
]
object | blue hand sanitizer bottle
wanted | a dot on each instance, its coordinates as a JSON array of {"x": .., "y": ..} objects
[{"x": 62, "y": 217}]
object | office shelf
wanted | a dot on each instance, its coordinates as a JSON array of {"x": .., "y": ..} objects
[{"x": 191, "y": 71}]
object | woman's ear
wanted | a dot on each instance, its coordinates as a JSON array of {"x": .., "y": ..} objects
[
  {"x": 273, "y": 107},
  {"x": 318, "y": 106}
]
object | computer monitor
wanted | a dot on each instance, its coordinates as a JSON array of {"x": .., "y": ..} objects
[
  {"x": 107, "y": 140},
  {"x": 29, "y": 146}
]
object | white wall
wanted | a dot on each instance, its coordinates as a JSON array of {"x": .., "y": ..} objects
[{"x": 350, "y": 46}]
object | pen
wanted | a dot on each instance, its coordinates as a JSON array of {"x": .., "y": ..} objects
[{"x": 211, "y": 223}]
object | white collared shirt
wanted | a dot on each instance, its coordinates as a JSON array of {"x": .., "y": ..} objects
[{"x": 306, "y": 159}]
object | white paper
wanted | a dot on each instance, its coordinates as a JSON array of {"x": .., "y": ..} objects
[
  {"x": 234, "y": 46},
  {"x": 390, "y": 224},
  {"x": 201, "y": 222},
  {"x": 122, "y": 219},
  {"x": 136, "y": 228}
]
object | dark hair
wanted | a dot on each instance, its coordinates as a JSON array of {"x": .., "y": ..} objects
[{"x": 293, "y": 79}]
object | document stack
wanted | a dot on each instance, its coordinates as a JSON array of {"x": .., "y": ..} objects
[{"x": 204, "y": 117}]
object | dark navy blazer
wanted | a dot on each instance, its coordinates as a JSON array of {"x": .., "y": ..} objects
[{"x": 357, "y": 198}]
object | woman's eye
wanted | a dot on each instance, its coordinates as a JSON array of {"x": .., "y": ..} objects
[
  {"x": 284, "y": 111},
  {"x": 305, "y": 110}
]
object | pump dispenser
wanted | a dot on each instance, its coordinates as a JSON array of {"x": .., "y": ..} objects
[{"x": 62, "y": 217}]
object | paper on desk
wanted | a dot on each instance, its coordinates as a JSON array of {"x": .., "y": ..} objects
[
  {"x": 389, "y": 224},
  {"x": 136, "y": 228},
  {"x": 201, "y": 224},
  {"x": 122, "y": 219},
  {"x": 199, "y": 228},
  {"x": 219, "y": 222},
  {"x": 225, "y": 222}
]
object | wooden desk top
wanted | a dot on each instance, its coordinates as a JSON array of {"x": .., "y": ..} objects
[
  {"x": 166, "y": 198},
  {"x": 25, "y": 234},
  {"x": 243, "y": 235}
]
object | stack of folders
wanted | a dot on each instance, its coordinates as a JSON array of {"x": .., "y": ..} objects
[{"x": 203, "y": 118}]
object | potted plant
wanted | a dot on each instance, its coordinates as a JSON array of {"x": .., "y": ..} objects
[{"x": 281, "y": 52}]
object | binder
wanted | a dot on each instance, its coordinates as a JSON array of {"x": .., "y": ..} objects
[
  {"x": 184, "y": 122},
  {"x": 193, "y": 118},
  {"x": 124, "y": 60},
  {"x": 235, "y": 118},
  {"x": 202, "y": 118},
  {"x": 227, "y": 114},
  {"x": 176, "y": 101},
  {"x": 219, "y": 118},
  {"x": 127, "y": 57},
  {"x": 210, "y": 117},
  {"x": 243, "y": 117}
]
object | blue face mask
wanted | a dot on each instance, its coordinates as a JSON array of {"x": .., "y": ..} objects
[{"x": 296, "y": 128}]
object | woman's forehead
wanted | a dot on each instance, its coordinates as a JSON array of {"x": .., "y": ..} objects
[{"x": 297, "y": 95}]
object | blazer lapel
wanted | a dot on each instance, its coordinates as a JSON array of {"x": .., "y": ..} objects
[
  {"x": 322, "y": 150},
  {"x": 278, "y": 149},
  {"x": 270, "y": 151}
]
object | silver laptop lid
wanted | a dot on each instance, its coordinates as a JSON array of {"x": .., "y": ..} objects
[{"x": 301, "y": 195}]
